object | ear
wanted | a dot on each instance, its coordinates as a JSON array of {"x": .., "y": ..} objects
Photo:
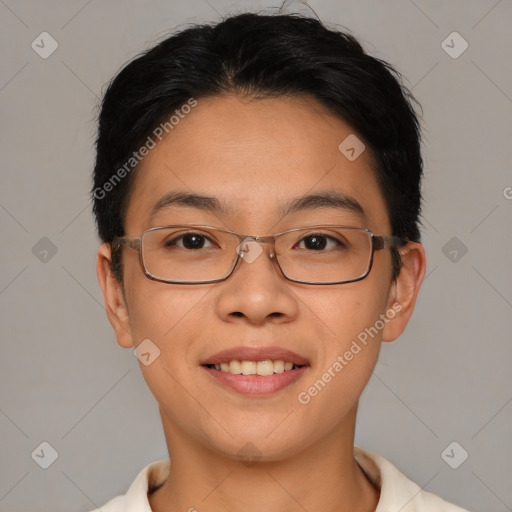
[
  {"x": 404, "y": 290},
  {"x": 115, "y": 304}
]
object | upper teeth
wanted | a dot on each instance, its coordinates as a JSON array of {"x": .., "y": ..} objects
[{"x": 262, "y": 368}]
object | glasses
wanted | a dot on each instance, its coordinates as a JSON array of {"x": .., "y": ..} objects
[{"x": 192, "y": 254}]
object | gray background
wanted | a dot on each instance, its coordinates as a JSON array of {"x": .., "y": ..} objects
[{"x": 63, "y": 378}]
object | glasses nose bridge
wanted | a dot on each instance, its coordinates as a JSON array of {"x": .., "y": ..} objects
[{"x": 268, "y": 239}]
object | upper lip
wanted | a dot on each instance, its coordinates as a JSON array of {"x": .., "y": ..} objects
[{"x": 255, "y": 354}]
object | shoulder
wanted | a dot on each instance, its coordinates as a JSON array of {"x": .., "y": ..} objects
[
  {"x": 136, "y": 498},
  {"x": 397, "y": 492}
]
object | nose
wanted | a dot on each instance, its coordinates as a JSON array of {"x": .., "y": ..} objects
[{"x": 256, "y": 291}]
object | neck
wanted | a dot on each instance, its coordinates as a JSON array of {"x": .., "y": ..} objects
[{"x": 321, "y": 477}]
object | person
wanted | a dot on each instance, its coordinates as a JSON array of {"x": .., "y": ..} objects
[{"x": 257, "y": 194}]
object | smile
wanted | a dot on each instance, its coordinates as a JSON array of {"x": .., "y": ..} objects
[{"x": 256, "y": 371}]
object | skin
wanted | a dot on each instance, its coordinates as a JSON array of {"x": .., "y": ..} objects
[{"x": 256, "y": 155}]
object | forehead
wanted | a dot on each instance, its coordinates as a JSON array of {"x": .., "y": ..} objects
[{"x": 255, "y": 156}]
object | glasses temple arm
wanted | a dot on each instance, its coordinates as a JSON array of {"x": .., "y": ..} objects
[
  {"x": 132, "y": 243},
  {"x": 381, "y": 242}
]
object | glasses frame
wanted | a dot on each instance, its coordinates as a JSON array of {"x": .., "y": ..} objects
[{"x": 377, "y": 243}]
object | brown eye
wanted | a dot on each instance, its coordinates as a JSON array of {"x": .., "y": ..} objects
[
  {"x": 189, "y": 241},
  {"x": 318, "y": 242}
]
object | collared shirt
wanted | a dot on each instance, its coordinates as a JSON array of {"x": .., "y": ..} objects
[{"x": 397, "y": 492}]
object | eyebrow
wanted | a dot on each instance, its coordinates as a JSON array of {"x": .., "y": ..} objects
[
  {"x": 323, "y": 199},
  {"x": 200, "y": 202}
]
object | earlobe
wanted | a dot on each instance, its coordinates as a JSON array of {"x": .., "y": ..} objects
[
  {"x": 115, "y": 304},
  {"x": 405, "y": 289}
]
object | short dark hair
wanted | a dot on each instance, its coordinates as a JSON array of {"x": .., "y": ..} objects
[{"x": 261, "y": 55}]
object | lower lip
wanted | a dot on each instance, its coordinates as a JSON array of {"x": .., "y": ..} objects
[{"x": 256, "y": 385}]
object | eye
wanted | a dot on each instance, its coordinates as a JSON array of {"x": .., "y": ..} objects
[
  {"x": 189, "y": 241},
  {"x": 319, "y": 242}
]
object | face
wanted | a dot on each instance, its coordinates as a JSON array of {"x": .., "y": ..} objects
[{"x": 255, "y": 157}]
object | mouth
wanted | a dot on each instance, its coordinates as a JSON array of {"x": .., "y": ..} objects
[{"x": 256, "y": 372}]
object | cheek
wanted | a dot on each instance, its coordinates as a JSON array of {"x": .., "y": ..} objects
[
  {"x": 171, "y": 318},
  {"x": 161, "y": 311},
  {"x": 354, "y": 316},
  {"x": 351, "y": 310}
]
